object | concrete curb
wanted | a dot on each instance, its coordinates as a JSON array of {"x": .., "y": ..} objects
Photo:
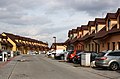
[{"x": 4, "y": 63}]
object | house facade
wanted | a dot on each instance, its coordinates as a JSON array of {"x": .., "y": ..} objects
[
  {"x": 100, "y": 34},
  {"x": 58, "y": 46},
  {"x": 23, "y": 44}
]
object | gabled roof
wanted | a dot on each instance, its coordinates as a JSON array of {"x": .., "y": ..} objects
[
  {"x": 73, "y": 40},
  {"x": 74, "y": 30},
  {"x": 87, "y": 36},
  {"x": 118, "y": 12},
  {"x": 14, "y": 37},
  {"x": 70, "y": 32},
  {"x": 0, "y": 35},
  {"x": 78, "y": 28},
  {"x": 103, "y": 33},
  {"x": 84, "y": 27},
  {"x": 91, "y": 23},
  {"x": 111, "y": 16},
  {"x": 67, "y": 41},
  {"x": 100, "y": 21},
  {"x": 57, "y": 44}
]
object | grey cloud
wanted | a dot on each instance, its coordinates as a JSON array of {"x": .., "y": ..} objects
[
  {"x": 42, "y": 18},
  {"x": 92, "y": 7}
]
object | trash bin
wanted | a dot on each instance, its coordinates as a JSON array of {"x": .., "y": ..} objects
[
  {"x": 4, "y": 56},
  {"x": 85, "y": 59}
]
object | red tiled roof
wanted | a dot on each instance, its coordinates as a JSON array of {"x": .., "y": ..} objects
[
  {"x": 73, "y": 40},
  {"x": 87, "y": 36},
  {"x": 74, "y": 30},
  {"x": 13, "y": 37},
  {"x": 118, "y": 11},
  {"x": 84, "y": 27},
  {"x": 100, "y": 21},
  {"x": 67, "y": 41},
  {"x": 111, "y": 16},
  {"x": 57, "y": 44},
  {"x": 70, "y": 32},
  {"x": 91, "y": 23},
  {"x": 7, "y": 43},
  {"x": 103, "y": 33},
  {"x": 78, "y": 28}
]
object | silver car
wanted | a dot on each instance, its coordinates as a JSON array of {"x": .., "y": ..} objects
[{"x": 108, "y": 59}]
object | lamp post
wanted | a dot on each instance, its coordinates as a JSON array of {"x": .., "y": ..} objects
[{"x": 55, "y": 43}]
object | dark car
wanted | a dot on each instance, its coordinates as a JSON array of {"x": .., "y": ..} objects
[
  {"x": 72, "y": 54},
  {"x": 77, "y": 58}
]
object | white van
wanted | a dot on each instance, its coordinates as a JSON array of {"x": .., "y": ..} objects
[{"x": 58, "y": 54}]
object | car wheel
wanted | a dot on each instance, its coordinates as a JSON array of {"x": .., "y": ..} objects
[
  {"x": 62, "y": 57},
  {"x": 74, "y": 61},
  {"x": 114, "y": 66}
]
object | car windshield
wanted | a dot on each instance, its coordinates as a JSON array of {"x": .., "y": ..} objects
[
  {"x": 101, "y": 54},
  {"x": 78, "y": 54},
  {"x": 78, "y": 51},
  {"x": 70, "y": 52}
]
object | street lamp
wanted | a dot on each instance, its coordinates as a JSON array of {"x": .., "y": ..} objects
[{"x": 55, "y": 43}]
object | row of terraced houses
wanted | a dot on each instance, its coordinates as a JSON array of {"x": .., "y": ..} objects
[
  {"x": 98, "y": 35},
  {"x": 12, "y": 42}
]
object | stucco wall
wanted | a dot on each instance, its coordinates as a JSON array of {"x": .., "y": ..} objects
[
  {"x": 14, "y": 45},
  {"x": 61, "y": 47},
  {"x": 112, "y": 38},
  {"x": 112, "y": 23},
  {"x": 92, "y": 28},
  {"x": 118, "y": 26},
  {"x": 100, "y": 26}
]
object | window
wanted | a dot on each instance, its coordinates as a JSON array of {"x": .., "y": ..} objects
[
  {"x": 101, "y": 54},
  {"x": 86, "y": 45},
  {"x": 102, "y": 44},
  {"x": 92, "y": 47},
  {"x": 113, "y": 43},
  {"x": 108, "y": 24},
  {"x": 114, "y": 54},
  {"x": 119, "y": 21},
  {"x": 108, "y": 45},
  {"x": 119, "y": 45},
  {"x": 96, "y": 27},
  {"x": 89, "y": 47},
  {"x": 96, "y": 47}
]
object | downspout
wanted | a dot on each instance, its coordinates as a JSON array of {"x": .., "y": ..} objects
[{"x": 97, "y": 44}]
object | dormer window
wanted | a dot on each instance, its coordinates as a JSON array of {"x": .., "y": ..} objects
[
  {"x": 108, "y": 24},
  {"x": 96, "y": 28},
  {"x": 119, "y": 21}
]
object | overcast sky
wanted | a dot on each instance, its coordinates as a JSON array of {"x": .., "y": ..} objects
[{"x": 43, "y": 19}]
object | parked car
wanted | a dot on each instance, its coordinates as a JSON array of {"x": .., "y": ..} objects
[
  {"x": 109, "y": 59},
  {"x": 49, "y": 53},
  {"x": 58, "y": 54},
  {"x": 77, "y": 58},
  {"x": 0, "y": 55},
  {"x": 72, "y": 54}
]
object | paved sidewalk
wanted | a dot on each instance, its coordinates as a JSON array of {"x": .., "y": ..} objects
[{"x": 7, "y": 67}]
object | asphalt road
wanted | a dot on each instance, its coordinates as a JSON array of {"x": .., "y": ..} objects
[{"x": 41, "y": 67}]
